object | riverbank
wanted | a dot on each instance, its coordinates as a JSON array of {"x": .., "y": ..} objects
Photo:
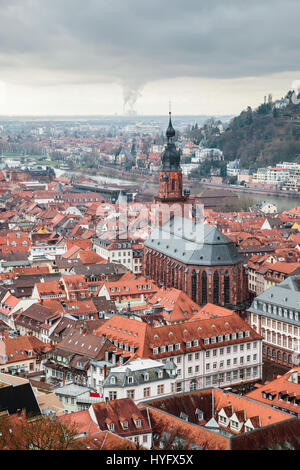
[
  {"x": 243, "y": 189},
  {"x": 115, "y": 176}
]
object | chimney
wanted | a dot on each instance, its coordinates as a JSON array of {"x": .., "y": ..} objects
[{"x": 105, "y": 371}]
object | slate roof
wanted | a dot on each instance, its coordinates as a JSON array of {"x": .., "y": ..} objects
[
  {"x": 138, "y": 370},
  {"x": 286, "y": 294},
  {"x": 193, "y": 243},
  {"x": 72, "y": 390},
  {"x": 14, "y": 398}
]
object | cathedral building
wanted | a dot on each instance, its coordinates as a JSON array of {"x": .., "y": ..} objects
[{"x": 187, "y": 254}]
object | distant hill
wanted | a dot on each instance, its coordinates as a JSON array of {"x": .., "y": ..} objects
[{"x": 262, "y": 137}]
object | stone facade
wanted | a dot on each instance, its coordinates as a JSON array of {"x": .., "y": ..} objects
[{"x": 221, "y": 285}]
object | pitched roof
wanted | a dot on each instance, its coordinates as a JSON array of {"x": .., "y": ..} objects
[
  {"x": 18, "y": 397},
  {"x": 116, "y": 411},
  {"x": 195, "y": 244},
  {"x": 144, "y": 338}
]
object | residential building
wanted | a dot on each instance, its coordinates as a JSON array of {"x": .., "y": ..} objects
[
  {"x": 221, "y": 351},
  {"x": 21, "y": 353},
  {"x": 124, "y": 418},
  {"x": 75, "y": 397},
  {"x": 274, "y": 314},
  {"x": 140, "y": 379},
  {"x": 213, "y": 419},
  {"x": 282, "y": 393}
]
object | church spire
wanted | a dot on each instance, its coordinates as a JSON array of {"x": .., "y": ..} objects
[
  {"x": 170, "y": 133},
  {"x": 170, "y": 158}
]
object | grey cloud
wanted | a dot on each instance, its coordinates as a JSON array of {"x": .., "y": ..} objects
[{"x": 132, "y": 42}]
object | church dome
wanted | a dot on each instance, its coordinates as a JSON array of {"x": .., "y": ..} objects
[
  {"x": 170, "y": 133},
  {"x": 170, "y": 158}
]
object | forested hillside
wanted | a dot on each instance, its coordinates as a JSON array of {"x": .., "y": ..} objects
[{"x": 262, "y": 137}]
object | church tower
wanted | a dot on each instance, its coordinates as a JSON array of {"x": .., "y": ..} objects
[{"x": 170, "y": 176}]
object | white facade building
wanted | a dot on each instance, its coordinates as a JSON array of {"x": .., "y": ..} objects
[{"x": 140, "y": 379}]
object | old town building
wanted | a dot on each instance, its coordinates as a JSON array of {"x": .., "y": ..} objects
[
  {"x": 275, "y": 314},
  {"x": 221, "y": 351}
]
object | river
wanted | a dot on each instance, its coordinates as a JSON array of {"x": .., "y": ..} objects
[{"x": 282, "y": 203}]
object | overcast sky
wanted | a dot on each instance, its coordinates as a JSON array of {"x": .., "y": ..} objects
[{"x": 95, "y": 56}]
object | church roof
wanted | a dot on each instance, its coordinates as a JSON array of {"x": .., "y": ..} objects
[{"x": 193, "y": 243}]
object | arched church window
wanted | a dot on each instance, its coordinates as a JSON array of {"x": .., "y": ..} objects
[
  {"x": 216, "y": 288},
  {"x": 204, "y": 287},
  {"x": 226, "y": 289},
  {"x": 194, "y": 286}
]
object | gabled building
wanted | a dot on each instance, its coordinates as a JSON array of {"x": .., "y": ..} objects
[
  {"x": 38, "y": 321},
  {"x": 21, "y": 353},
  {"x": 125, "y": 419},
  {"x": 212, "y": 419},
  {"x": 70, "y": 360},
  {"x": 133, "y": 291},
  {"x": 282, "y": 393}
]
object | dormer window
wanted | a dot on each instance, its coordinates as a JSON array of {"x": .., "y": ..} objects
[
  {"x": 155, "y": 350},
  {"x": 184, "y": 416},
  {"x": 170, "y": 347},
  {"x": 130, "y": 380},
  {"x": 125, "y": 425},
  {"x": 213, "y": 339},
  {"x": 138, "y": 423},
  {"x": 206, "y": 340},
  {"x": 160, "y": 374},
  {"x": 163, "y": 349},
  {"x": 188, "y": 344},
  {"x": 146, "y": 376},
  {"x": 111, "y": 426},
  {"x": 234, "y": 424},
  {"x": 220, "y": 339},
  {"x": 240, "y": 334},
  {"x": 196, "y": 342},
  {"x": 177, "y": 346},
  {"x": 247, "y": 334},
  {"x": 199, "y": 414},
  {"x": 113, "y": 380}
]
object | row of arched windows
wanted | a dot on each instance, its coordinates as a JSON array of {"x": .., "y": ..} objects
[
  {"x": 279, "y": 355},
  {"x": 198, "y": 282},
  {"x": 216, "y": 287}
]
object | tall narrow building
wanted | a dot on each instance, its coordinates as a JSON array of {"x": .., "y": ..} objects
[{"x": 170, "y": 176}]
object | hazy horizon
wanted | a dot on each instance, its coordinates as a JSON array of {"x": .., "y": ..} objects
[{"x": 69, "y": 58}]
